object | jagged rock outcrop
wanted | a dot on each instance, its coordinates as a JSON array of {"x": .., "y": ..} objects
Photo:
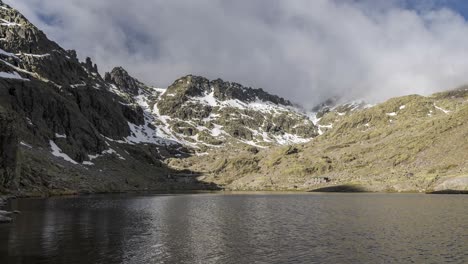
[
  {"x": 215, "y": 111},
  {"x": 20, "y": 35},
  {"x": 124, "y": 81},
  {"x": 8, "y": 150},
  {"x": 61, "y": 122}
]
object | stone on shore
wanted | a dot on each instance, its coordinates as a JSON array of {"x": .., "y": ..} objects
[
  {"x": 5, "y": 219},
  {"x": 4, "y": 216}
]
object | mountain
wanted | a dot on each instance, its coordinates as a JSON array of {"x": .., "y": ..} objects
[
  {"x": 65, "y": 128},
  {"x": 62, "y": 124},
  {"x": 204, "y": 114},
  {"x": 406, "y": 144}
]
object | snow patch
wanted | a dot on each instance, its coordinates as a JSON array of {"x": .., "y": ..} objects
[
  {"x": 8, "y": 23},
  {"x": 402, "y": 107},
  {"x": 30, "y": 73},
  {"x": 29, "y": 121},
  {"x": 392, "y": 114},
  {"x": 6, "y": 53},
  {"x": 33, "y": 55},
  {"x": 60, "y": 136},
  {"x": 217, "y": 130},
  {"x": 313, "y": 117},
  {"x": 149, "y": 133},
  {"x": 25, "y": 144},
  {"x": 57, "y": 152},
  {"x": 209, "y": 99},
  {"x": 288, "y": 139},
  {"x": 112, "y": 151},
  {"x": 12, "y": 75},
  {"x": 160, "y": 90},
  {"x": 441, "y": 109},
  {"x": 109, "y": 151},
  {"x": 320, "y": 131},
  {"x": 78, "y": 85},
  {"x": 142, "y": 134}
]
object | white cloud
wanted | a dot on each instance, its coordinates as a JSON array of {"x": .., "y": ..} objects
[{"x": 303, "y": 50}]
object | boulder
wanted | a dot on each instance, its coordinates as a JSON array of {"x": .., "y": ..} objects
[{"x": 5, "y": 219}]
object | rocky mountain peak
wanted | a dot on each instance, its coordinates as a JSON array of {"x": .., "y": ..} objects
[
  {"x": 19, "y": 35},
  {"x": 204, "y": 112},
  {"x": 196, "y": 86},
  {"x": 124, "y": 82},
  {"x": 90, "y": 67},
  {"x": 189, "y": 86},
  {"x": 26, "y": 51}
]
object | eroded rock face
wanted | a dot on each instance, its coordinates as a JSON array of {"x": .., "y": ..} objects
[
  {"x": 52, "y": 106},
  {"x": 453, "y": 184},
  {"x": 230, "y": 110},
  {"x": 196, "y": 86},
  {"x": 82, "y": 117},
  {"x": 8, "y": 150},
  {"x": 61, "y": 121},
  {"x": 56, "y": 94},
  {"x": 123, "y": 81},
  {"x": 22, "y": 36}
]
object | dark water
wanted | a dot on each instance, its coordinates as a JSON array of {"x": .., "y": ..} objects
[{"x": 240, "y": 228}]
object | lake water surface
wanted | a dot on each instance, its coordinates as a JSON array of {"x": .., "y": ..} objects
[{"x": 239, "y": 228}]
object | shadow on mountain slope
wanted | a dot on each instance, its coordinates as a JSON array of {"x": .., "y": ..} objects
[
  {"x": 449, "y": 192},
  {"x": 86, "y": 128},
  {"x": 341, "y": 188}
]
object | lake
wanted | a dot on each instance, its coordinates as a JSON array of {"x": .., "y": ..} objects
[{"x": 238, "y": 228}]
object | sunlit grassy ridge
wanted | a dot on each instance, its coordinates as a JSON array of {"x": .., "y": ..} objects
[{"x": 410, "y": 143}]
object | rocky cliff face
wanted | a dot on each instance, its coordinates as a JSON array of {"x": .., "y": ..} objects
[
  {"x": 9, "y": 153},
  {"x": 64, "y": 128},
  {"x": 204, "y": 114},
  {"x": 60, "y": 120},
  {"x": 218, "y": 112},
  {"x": 62, "y": 123},
  {"x": 124, "y": 81}
]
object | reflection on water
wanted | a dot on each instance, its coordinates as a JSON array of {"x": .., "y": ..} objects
[{"x": 246, "y": 228}]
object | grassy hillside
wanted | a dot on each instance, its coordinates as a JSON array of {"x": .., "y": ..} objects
[{"x": 410, "y": 143}]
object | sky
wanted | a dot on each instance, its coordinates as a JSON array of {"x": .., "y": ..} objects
[{"x": 303, "y": 50}]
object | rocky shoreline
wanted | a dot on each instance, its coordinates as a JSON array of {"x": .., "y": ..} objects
[{"x": 5, "y": 216}]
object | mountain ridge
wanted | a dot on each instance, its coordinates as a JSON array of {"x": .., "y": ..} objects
[
  {"x": 64, "y": 128},
  {"x": 407, "y": 144}
]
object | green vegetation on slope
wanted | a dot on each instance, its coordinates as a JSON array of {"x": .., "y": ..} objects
[{"x": 410, "y": 143}]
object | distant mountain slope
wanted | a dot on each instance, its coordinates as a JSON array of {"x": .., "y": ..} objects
[{"x": 410, "y": 143}]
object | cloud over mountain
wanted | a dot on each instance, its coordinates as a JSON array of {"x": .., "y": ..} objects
[{"x": 303, "y": 50}]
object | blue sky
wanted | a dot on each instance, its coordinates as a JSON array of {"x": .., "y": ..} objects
[{"x": 461, "y": 6}]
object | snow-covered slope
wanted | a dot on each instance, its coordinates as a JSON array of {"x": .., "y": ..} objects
[
  {"x": 201, "y": 113},
  {"x": 326, "y": 114}
]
